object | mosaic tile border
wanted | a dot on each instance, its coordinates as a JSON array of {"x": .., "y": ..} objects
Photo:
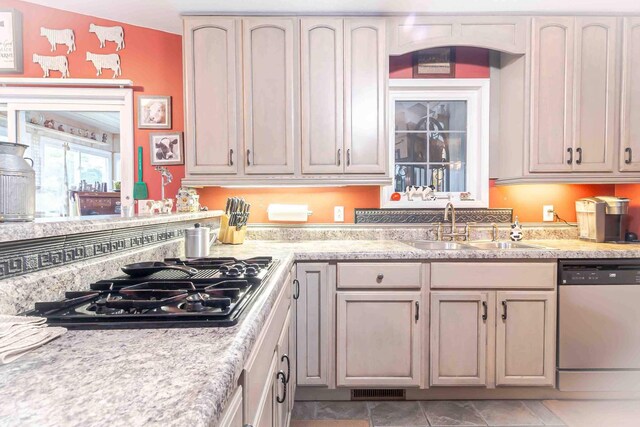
[
  {"x": 27, "y": 256},
  {"x": 428, "y": 216}
]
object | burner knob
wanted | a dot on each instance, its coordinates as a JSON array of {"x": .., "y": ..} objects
[
  {"x": 251, "y": 272},
  {"x": 233, "y": 272}
]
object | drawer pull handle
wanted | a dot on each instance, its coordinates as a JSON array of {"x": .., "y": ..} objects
[
  {"x": 231, "y": 157},
  {"x": 630, "y": 155},
  {"x": 570, "y": 151},
  {"x": 282, "y": 359},
  {"x": 282, "y": 379},
  {"x": 339, "y": 156},
  {"x": 504, "y": 310},
  {"x": 380, "y": 277},
  {"x": 248, "y": 157},
  {"x": 417, "y": 311},
  {"x": 296, "y": 289},
  {"x": 349, "y": 157},
  {"x": 579, "y": 160},
  {"x": 484, "y": 310}
]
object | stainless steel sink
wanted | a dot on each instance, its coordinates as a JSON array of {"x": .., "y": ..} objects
[
  {"x": 435, "y": 245},
  {"x": 504, "y": 245}
]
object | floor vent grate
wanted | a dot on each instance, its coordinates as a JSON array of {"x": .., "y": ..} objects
[{"x": 378, "y": 394}]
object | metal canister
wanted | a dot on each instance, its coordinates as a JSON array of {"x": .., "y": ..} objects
[
  {"x": 197, "y": 241},
  {"x": 17, "y": 184}
]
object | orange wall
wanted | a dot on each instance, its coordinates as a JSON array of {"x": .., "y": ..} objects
[
  {"x": 527, "y": 200},
  {"x": 151, "y": 59},
  {"x": 320, "y": 200}
]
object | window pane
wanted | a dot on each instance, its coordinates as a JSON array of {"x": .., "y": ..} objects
[
  {"x": 411, "y": 147},
  {"x": 447, "y": 147},
  {"x": 94, "y": 168},
  {"x": 448, "y": 177},
  {"x": 449, "y": 115},
  {"x": 406, "y": 175},
  {"x": 411, "y": 115}
]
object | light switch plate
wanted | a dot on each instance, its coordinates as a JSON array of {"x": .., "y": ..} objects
[
  {"x": 338, "y": 214},
  {"x": 547, "y": 213}
]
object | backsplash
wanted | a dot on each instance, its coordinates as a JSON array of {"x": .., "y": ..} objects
[{"x": 400, "y": 233}]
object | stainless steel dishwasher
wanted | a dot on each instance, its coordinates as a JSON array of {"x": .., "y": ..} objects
[{"x": 599, "y": 325}]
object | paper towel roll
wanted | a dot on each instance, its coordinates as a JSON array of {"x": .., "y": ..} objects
[{"x": 298, "y": 213}]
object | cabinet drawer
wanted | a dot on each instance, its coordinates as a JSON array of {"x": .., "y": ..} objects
[
  {"x": 493, "y": 275},
  {"x": 380, "y": 275}
]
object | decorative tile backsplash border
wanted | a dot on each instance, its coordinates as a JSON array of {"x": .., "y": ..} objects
[
  {"x": 427, "y": 216},
  {"x": 27, "y": 256}
]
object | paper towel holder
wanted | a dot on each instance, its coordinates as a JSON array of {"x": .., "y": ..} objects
[{"x": 288, "y": 212}]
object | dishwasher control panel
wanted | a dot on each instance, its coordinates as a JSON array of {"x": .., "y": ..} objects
[{"x": 621, "y": 272}]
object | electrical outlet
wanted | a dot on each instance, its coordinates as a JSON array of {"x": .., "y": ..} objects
[
  {"x": 547, "y": 213},
  {"x": 338, "y": 214}
]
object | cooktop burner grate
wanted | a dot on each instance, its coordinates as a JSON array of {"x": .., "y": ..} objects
[{"x": 167, "y": 298}]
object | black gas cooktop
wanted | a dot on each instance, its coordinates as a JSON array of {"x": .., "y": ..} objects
[{"x": 216, "y": 295}]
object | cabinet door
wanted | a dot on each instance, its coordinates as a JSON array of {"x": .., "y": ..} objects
[
  {"x": 595, "y": 93},
  {"x": 322, "y": 58},
  {"x": 525, "y": 338},
  {"x": 459, "y": 338},
  {"x": 313, "y": 324},
  {"x": 283, "y": 409},
  {"x": 270, "y": 82},
  {"x": 293, "y": 342},
  {"x": 551, "y": 94},
  {"x": 364, "y": 85},
  {"x": 232, "y": 415},
  {"x": 212, "y": 78},
  {"x": 266, "y": 413},
  {"x": 630, "y": 128},
  {"x": 378, "y": 339}
]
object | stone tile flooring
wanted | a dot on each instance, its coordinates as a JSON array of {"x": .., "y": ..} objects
[{"x": 433, "y": 413}]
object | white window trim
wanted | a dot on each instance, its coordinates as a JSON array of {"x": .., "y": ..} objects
[
  {"x": 476, "y": 93},
  {"x": 79, "y": 99}
]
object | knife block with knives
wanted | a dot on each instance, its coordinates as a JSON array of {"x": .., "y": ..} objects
[{"x": 233, "y": 224}]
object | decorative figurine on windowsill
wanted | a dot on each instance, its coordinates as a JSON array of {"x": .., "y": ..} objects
[{"x": 425, "y": 192}]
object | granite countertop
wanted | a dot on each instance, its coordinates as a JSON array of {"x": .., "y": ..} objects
[
  {"x": 143, "y": 377},
  {"x": 186, "y": 376},
  {"x": 47, "y": 227}
]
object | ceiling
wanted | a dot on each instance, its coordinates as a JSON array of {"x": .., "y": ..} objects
[
  {"x": 105, "y": 120},
  {"x": 165, "y": 14}
]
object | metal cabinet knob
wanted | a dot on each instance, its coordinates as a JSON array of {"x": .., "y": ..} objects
[{"x": 380, "y": 277}]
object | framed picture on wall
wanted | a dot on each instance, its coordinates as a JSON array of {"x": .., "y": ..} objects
[
  {"x": 154, "y": 112},
  {"x": 166, "y": 148},
  {"x": 10, "y": 41},
  {"x": 434, "y": 63}
]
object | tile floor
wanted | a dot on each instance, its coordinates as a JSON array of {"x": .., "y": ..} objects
[{"x": 433, "y": 413}]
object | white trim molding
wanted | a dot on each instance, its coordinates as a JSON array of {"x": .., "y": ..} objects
[
  {"x": 95, "y": 83},
  {"x": 476, "y": 93},
  {"x": 23, "y": 98}
]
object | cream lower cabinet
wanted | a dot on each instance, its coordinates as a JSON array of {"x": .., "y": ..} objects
[
  {"x": 459, "y": 338},
  {"x": 267, "y": 374},
  {"x": 525, "y": 338},
  {"x": 474, "y": 334},
  {"x": 378, "y": 338},
  {"x": 314, "y": 318}
]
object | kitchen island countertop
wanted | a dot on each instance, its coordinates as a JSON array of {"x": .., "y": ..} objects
[{"x": 186, "y": 376}]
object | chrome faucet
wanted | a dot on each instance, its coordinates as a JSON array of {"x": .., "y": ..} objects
[{"x": 454, "y": 232}]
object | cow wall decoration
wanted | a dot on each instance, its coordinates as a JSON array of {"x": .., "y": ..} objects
[
  {"x": 56, "y": 37},
  {"x": 52, "y": 63},
  {"x": 110, "y": 61},
  {"x": 108, "y": 34}
]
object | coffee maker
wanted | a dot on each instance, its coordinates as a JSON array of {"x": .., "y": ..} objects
[{"x": 602, "y": 218}]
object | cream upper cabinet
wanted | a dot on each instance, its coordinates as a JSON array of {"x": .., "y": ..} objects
[
  {"x": 552, "y": 65},
  {"x": 595, "y": 94},
  {"x": 573, "y": 94},
  {"x": 502, "y": 33},
  {"x": 365, "y": 74},
  {"x": 525, "y": 338},
  {"x": 322, "y": 106},
  {"x": 459, "y": 338},
  {"x": 212, "y": 79},
  {"x": 270, "y": 89},
  {"x": 379, "y": 336},
  {"x": 630, "y": 111}
]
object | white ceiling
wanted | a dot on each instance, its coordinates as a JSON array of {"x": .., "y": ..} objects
[{"x": 165, "y": 14}]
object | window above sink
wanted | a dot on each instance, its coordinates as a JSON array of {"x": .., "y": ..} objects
[{"x": 439, "y": 136}]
